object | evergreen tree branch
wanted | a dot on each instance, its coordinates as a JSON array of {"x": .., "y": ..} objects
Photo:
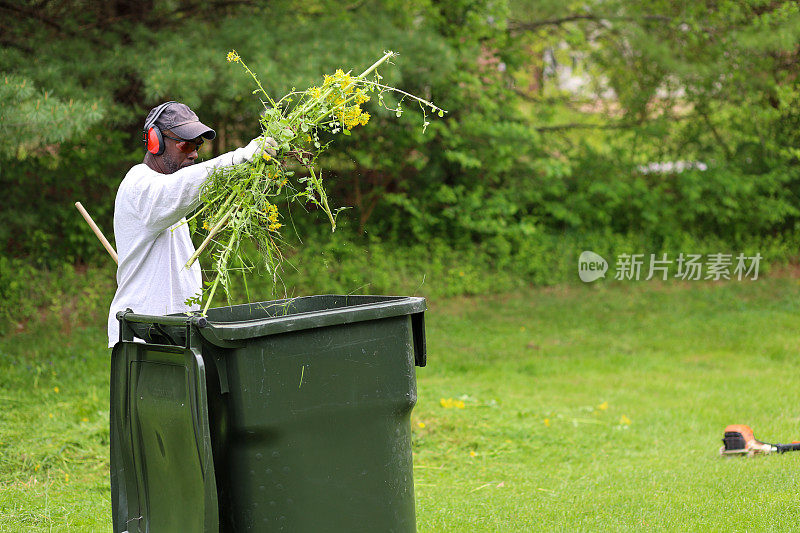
[
  {"x": 8, "y": 43},
  {"x": 39, "y": 16},
  {"x": 32, "y": 13}
]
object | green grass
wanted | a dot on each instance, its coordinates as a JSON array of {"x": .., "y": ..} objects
[
  {"x": 679, "y": 361},
  {"x": 54, "y": 433},
  {"x": 531, "y": 449}
]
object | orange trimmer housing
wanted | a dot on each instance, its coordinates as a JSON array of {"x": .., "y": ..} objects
[{"x": 739, "y": 440}]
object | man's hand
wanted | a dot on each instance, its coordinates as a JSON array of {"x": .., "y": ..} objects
[
  {"x": 270, "y": 145},
  {"x": 254, "y": 149}
]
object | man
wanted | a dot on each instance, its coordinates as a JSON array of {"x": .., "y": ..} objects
[{"x": 152, "y": 242}]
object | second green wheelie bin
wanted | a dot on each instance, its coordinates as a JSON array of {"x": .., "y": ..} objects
[{"x": 288, "y": 415}]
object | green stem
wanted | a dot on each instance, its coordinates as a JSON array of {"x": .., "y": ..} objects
[
  {"x": 211, "y": 294},
  {"x": 224, "y": 260},
  {"x": 245, "y": 271},
  {"x": 224, "y": 206},
  {"x": 395, "y": 90},
  {"x": 218, "y": 226},
  {"x": 347, "y": 100},
  {"x": 323, "y": 198},
  {"x": 316, "y": 101},
  {"x": 325, "y": 94},
  {"x": 198, "y": 212},
  {"x": 208, "y": 204},
  {"x": 255, "y": 78},
  {"x": 376, "y": 64}
]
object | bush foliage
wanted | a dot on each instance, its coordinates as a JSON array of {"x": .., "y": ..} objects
[{"x": 520, "y": 161}]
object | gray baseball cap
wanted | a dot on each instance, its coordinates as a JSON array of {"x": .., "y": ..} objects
[{"x": 181, "y": 120}]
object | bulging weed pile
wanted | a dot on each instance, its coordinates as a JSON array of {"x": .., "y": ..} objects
[{"x": 240, "y": 202}]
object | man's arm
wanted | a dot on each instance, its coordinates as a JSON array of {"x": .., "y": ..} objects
[{"x": 161, "y": 200}]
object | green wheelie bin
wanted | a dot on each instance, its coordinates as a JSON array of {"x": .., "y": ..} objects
[{"x": 288, "y": 415}]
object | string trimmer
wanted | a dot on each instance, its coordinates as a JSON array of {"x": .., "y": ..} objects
[{"x": 739, "y": 440}]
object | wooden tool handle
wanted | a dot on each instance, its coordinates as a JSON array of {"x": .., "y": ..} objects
[{"x": 97, "y": 232}]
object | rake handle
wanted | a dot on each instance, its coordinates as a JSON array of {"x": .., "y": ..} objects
[{"x": 97, "y": 232}]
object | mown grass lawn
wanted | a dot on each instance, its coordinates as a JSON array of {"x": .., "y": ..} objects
[{"x": 590, "y": 408}]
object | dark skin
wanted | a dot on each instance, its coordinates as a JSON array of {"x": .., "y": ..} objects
[{"x": 172, "y": 159}]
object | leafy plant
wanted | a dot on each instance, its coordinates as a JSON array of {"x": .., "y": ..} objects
[{"x": 239, "y": 202}]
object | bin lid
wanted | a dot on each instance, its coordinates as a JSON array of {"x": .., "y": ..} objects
[{"x": 247, "y": 321}]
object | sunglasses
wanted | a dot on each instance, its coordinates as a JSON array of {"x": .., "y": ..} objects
[{"x": 187, "y": 147}]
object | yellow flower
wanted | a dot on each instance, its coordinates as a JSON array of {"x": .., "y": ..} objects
[
  {"x": 205, "y": 225},
  {"x": 603, "y": 406},
  {"x": 55, "y": 389},
  {"x": 315, "y": 92},
  {"x": 233, "y": 57},
  {"x": 275, "y": 226},
  {"x": 472, "y": 453},
  {"x": 347, "y": 84},
  {"x": 450, "y": 403},
  {"x": 84, "y": 419},
  {"x": 351, "y": 116},
  {"x": 363, "y": 119},
  {"x": 624, "y": 420},
  {"x": 421, "y": 424},
  {"x": 266, "y": 156},
  {"x": 360, "y": 97},
  {"x": 547, "y": 422}
]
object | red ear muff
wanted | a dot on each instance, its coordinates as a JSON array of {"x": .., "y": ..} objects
[
  {"x": 152, "y": 137},
  {"x": 155, "y": 141}
]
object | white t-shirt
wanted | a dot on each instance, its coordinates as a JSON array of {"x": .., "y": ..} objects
[{"x": 152, "y": 245}]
